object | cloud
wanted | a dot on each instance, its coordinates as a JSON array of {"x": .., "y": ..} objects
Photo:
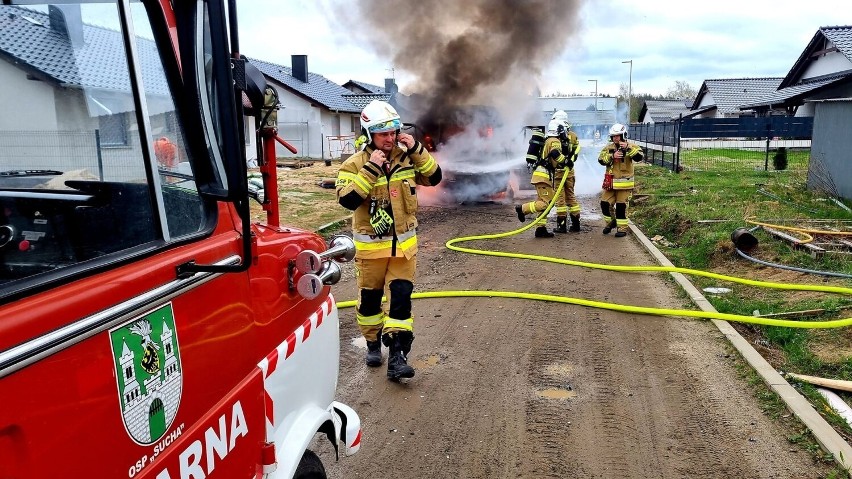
[{"x": 667, "y": 40}]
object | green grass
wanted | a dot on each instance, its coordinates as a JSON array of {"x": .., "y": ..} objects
[
  {"x": 798, "y": 434},
  {"x": 678, "y": 202},
  {"x": 730, "y": 158}
]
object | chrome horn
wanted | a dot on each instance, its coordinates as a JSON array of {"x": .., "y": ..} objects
[
  {"x": 340, "y": 248},
  {"x": 310, "y": 285}
]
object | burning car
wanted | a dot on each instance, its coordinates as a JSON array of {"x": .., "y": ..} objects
[{"x": 474, "y": 152}]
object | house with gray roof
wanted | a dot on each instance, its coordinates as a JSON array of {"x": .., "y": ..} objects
[
  {"x": 654, "y": 111},
  {"x": 67, "y": 82},
  {"x": 723, "y": 97},
  {"x": 356, "y": 86},
  {"x": 316, "y": 115},
  {"x": 822, "y": 71}
]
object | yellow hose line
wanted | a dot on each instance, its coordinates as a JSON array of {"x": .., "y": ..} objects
[
  {"x": 835, "y": 323},
  {"x": 805, "y": 231},
  {"x": 451, "y": 244}
]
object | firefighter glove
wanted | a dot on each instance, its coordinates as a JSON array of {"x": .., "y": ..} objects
[
  {"x": 568, "y": 163},
  {"x": 381, "y": 222},
  {"x": 607, "y": 182}
]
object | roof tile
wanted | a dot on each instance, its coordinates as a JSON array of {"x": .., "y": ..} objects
[
  {"x": 318, "y": 88},
  {"x": 730, "y": 93}
]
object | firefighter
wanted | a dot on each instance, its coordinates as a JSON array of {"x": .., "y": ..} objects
[
  {"x": 166, "y": 152},
  {"x": 549, "y": 160},
  {"x": 618, "y": 157},
  {"x": 566, "y": 203},
  {"x": 378, "y": 185}
]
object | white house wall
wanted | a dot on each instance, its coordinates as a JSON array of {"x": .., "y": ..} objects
[
  {"x": 307, "y": 125},
  {"x": 331, "y": 148},
  {"x": 251, "y": 140},
  {"x": 826, "y": 64},
  {"x": 298, "y": 123},
  {"x": 72, "y": 113},
  {"x": 30, "y": 100}
]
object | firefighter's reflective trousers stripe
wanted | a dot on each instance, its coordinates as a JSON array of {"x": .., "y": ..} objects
[
  {"x": 376, "y": 247},
  {"x": 566, "y": 202},
  {"x": 622, "y": 183},
  {"x": 376, "y": 274},
  {"x": 545, "y": 193},
  {"x": 616, "y": 198}
]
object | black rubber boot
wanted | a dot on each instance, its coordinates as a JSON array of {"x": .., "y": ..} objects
[
  {"x": 541, "y": 232},
  {"x": 620, "y": 234},
  {"x": 374, "y": 353},
  {"x": 561, "y": 225},
  {"x": 520, "y": 211},
  {"x": 398, "y": 344},
  {"x": 575, "y": 224},
  {"x": 609, "y": 227}
]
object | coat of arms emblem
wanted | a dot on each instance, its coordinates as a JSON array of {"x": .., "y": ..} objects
[{"x": 148, "y": 373}]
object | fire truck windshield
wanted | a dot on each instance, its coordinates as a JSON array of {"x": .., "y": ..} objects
[{"x": 93, "y": 162}]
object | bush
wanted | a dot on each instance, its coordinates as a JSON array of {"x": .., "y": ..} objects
[{"x": 779, "y": 160}]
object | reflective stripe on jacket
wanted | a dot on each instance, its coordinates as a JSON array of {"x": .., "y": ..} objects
[
  {"x": 621, "y": 171},
  {"x": 543, "y": 173},
  {"x": 394, "y": 191}
]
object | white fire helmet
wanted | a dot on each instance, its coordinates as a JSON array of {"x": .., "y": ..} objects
[
  {"x": 553, "y": 127},
  {"x": 379, "y": 116},
  {"x": 563, "y": 117},
  {"x": 618, "y": 129}
]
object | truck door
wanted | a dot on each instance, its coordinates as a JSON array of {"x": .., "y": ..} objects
[{"x": 101, "y": 341}]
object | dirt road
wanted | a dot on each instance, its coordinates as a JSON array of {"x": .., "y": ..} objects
[{"x": 510, "y": 388}]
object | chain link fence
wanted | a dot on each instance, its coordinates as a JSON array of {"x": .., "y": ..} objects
[
  {"x": 727, "y": 144},
  {"x": 71, "y": 151}
]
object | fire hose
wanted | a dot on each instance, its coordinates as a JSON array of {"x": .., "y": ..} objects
[
  {"x": 452, "y": 245},
  {"x": 807, "y": 232}
]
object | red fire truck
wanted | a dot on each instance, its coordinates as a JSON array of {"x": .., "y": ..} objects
[{"x": 149, "y": 328}]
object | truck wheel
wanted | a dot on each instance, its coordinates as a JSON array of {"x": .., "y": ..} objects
[{"x": 310, "y": 467}]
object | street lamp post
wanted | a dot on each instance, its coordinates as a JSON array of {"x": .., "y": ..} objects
[
  {"x": 596, "y": 104},
  {"x": 596, "y": 94},
  {"x": 629, "y": 90}
]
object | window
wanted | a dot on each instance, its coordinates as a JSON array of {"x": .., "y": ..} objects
[
  {"x": 113, "y": 130},
  {"x": 355, "y": 126},
  {"x": 79, "y": 191},
  {"x": 335, "y": 125}
]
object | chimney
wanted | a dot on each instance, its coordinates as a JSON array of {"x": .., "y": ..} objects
[
  {"x": 67, "y": 21},
  {"x": 300, "y": 67},
  {"x": 390, "y": 86}
]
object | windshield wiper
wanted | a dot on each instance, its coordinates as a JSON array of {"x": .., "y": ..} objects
[{"x": 20, "y": 173}]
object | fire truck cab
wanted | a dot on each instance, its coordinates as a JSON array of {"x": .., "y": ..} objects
[{"x": 149, "y": 328}]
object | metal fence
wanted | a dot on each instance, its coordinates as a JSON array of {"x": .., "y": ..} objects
[
  {"x": 70, "y": 151},
  {"x": 727, "y": 144}
]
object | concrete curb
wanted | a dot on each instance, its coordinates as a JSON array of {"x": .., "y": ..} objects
[{"x": 825, "y": 435}]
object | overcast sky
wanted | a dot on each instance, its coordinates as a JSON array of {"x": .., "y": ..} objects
[{"x": 667, "y": 40}]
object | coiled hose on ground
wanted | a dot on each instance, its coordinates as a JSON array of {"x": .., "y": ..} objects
[{"x": 452, "y": 244}]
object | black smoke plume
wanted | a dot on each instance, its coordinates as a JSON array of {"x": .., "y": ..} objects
[{"x": 465, "y": 51}]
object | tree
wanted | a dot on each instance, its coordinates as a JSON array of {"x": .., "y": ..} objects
[
  {"x": 636, "y": 101},
  {"x": 681, "y": 90}
]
